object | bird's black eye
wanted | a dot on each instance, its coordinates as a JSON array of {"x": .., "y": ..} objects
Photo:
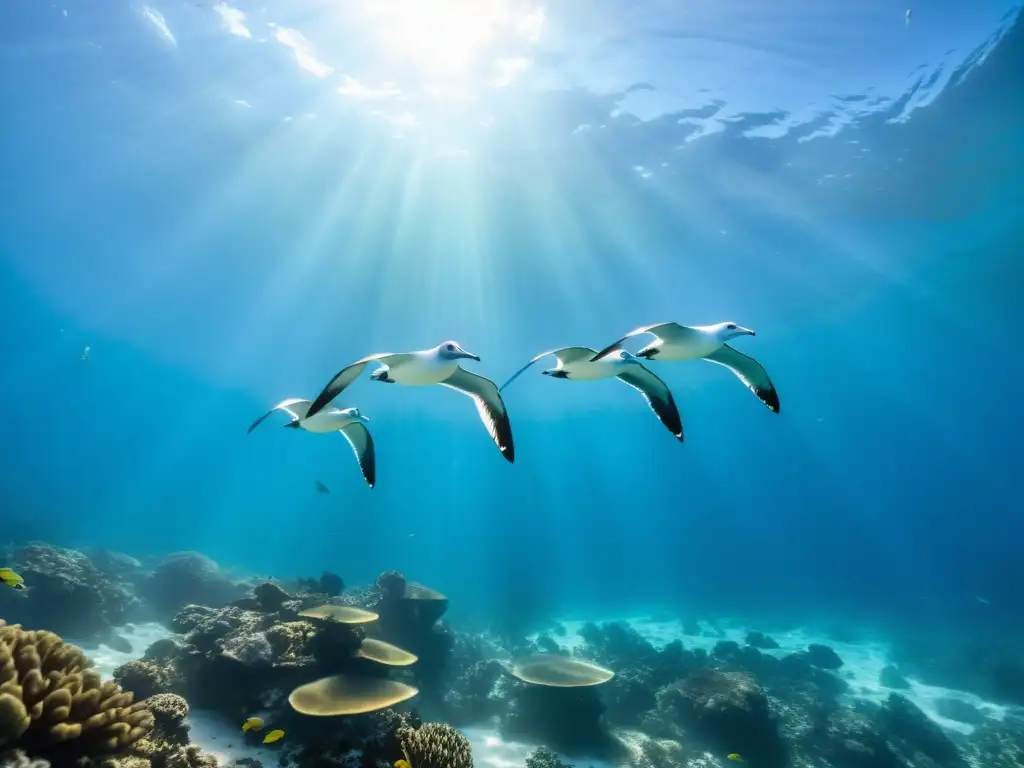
[
  {"x": 450, "y": 347},
  {"x": 731, "y": 327}
]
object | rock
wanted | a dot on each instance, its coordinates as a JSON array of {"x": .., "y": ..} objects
[
  {"x": 890, "y": 677},
  {"x": 252, "y": 649},
  {"x": 640, "y": 668},
  {"x": 331, "y": 584},
  {"x": 959, "y": 710},
  {"x": 761, "y": 641},
  {"x": 547, "y": 645},
  {"x": 823, "y": 657},
  {"x": 117, "y": 643},
  {"x": 903, "y": 722},
  {"x": 568, "y": 719},
  {"x": 852, "y": 739},
  {"x": 728, "y": 711},
  {"x": 142, "y": 678},
  {"x": 270, "y": 596},
  {"x": 996, "y": 744},
  {"x": 188, "y": 578}
]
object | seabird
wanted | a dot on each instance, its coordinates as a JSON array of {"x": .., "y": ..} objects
[
  {"x": 349, "y": 421},
  {"x": 675, "y": 343},
  {"x": 583, "y": 364},
  {"x": 437, "y": 365}
]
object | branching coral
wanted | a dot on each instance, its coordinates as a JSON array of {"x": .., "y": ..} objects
[
  {"x": 52, "y": 704},
  {"x": 436, "y": 745}
]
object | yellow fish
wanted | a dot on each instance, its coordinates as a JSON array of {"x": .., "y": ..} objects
[
  {"x": 737, "y": 758},
  {"x": 402, "y": 764},
  {"x": 252, "y": 724},
  {"x": 273, "y": 736},
  {"x": 11, "y": 579}
]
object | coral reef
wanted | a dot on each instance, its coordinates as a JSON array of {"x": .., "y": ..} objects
[
  {"x": 54, "y": 706},
  {"x": 241, "y": 647},
  {"x": 188, "y": 578},
  {"x": 69, "y": 595}
]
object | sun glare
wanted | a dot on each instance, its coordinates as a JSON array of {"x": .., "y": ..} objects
[{"x": 447, "y": 36}]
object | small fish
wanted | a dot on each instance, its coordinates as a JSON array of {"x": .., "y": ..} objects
[
  {"x": 11, "y": 579},
  {"x": 736, "y": 758},
  {"x": 910, "y": 13},
  {"x": 982, "y": 600},
  {"x": 402, "y": 764},
  {"x": 322, "y": 488},
  {"x": 252, "y": 724},
  {"x": 86, "y": 353},
  {"x": 273, "y": 736}
]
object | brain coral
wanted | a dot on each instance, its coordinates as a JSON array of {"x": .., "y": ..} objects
[{"x": 53, "y": 705}]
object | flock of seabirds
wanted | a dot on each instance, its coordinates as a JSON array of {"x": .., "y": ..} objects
[{"x": 440, "y": 365}]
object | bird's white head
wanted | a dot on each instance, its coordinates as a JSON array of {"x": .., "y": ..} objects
[
  {"x": 451, "y": 350},
  {"x": 354, "y": 414},
  {"x": 729, "y": 330}
]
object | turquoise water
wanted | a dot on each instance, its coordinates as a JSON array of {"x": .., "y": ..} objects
[{"x": 228, "y": 204}]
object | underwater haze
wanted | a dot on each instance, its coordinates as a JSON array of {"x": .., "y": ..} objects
[{"x": 226, "y": 203}]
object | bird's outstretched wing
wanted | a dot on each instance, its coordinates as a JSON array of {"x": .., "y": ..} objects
[
  {"x": 750, "y": 372},
  {"x": 346, "y": 376},
  {"x": 296, "y": 407},
  {"x": 566, "y": 354},
  {"x": 361, "y": 440},
  {"x": 658, "y": 329},
  {"x": 489, "y": 406},
  {"x": 657, "y": 395}
]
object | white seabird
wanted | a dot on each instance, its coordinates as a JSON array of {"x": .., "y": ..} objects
[
  {"x": 349, "y": 421},
  {"x": 437, "y": 365},
  {"x": 583, "y": 364},
  {"x": 676, "y": 343}
]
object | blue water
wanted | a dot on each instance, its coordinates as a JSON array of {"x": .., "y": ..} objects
[{"x": 226, "y": 218}]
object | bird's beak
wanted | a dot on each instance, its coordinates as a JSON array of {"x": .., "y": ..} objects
[
  {"x": 364, "y": 418},
  {"x": 748, "y": 331},
  {"x": 470, "y": 355}
]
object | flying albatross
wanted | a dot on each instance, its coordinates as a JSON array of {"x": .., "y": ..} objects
[
  {"x": 675, "y": 343},
  {"x": 349, "y": 421},
  {"x": 583, "y": 364},
  {"x": 438, "y": 365}
]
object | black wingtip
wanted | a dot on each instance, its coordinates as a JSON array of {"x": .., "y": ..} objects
[{"x": 771, "y": 399}]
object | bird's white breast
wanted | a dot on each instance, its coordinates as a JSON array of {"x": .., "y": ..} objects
[
  {"x": 585, "y": 370},
  {"x": 692, "y": 347},
  {"x": 327, "y": 420},
  {"x": 419, "y": 370}
]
